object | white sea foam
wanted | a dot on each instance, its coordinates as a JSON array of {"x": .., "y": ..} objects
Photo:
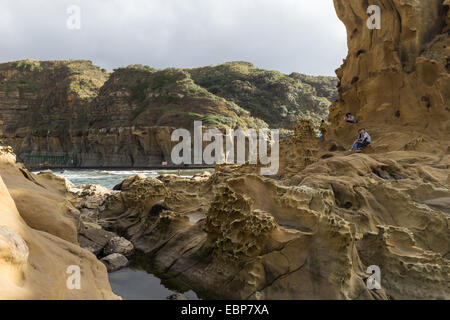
[{"x": 110, "y": 178}]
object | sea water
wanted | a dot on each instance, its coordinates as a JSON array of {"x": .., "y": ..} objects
[{"x": 110, "y": 178}]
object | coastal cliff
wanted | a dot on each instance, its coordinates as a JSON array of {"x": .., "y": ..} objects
[{"x": 73, "y": 114}]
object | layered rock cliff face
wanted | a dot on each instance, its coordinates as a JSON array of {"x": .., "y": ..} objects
[
  {"x": 38, "y": 239},
  {"x": 396, "y": 79},
  {"x": 43, "y": 96},
  {"x": 71, "y": 113}
]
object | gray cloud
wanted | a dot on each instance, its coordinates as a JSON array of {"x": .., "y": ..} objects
[{"x": 287, "y": 35}]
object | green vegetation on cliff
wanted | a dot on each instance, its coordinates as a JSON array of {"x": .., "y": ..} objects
[
  {"x": 85, "y": 79},
  {"x": 139, "y": 95},
  {"x": 278, "y": 99},
  {"x": 125, "y": 117},
  {"x": 325, "y": 86},
  {"x": 44, "y": 95},
  {"x": 74, "y": 94},
  {"x": 78, "y": 76}
]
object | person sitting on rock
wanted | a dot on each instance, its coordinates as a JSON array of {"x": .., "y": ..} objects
[
  {"x": 365, "y": 141},
  {"x": 350, "y": 118},
  {"x": 323, "y": 130},
  {"x": 358, "y": 140}
]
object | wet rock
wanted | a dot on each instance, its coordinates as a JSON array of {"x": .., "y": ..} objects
[
  {"x": 226, "y": 170},
  {"x": 115, "y": 262},
  {"x": 177, "y": 296},
  {"x": 157, "y": 209},
  {"x": 125, "y": 184},
  {"x": 440, "y": 204},
  {"x": 119, "y": 245},
  {"x": 383, "y": 174},
  {"x": 94, "y": 239},
  {"x": 89, "y": 200}
]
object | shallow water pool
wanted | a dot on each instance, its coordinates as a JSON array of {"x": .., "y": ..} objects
[{"x": 133, "y": 284}]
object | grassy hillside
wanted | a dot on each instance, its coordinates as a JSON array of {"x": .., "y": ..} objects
[
  {"x": 278, "y": 99},
  {"x": 325, "y": 86},
  {"x": 140, "y": 95},
  {"x": 57, "y": 95},
  {"x": 47, "y": 94}
]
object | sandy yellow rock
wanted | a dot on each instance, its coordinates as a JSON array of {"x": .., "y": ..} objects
[{"x": 34, "y": 260}]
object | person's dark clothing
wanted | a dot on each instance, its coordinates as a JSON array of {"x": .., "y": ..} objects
[
  {"x": 360, "y": 145},
  {"x": 351, "y": 119}
]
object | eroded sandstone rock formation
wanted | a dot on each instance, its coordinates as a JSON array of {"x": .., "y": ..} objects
[
  {"x": 396, "y": 79},
  {"x": 311, "y": 235},
  {"x": 312, "y": 231},
  {"x": 38, "y": 239}
]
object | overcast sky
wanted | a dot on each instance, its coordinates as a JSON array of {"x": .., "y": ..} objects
[{"x": 286, "y": 35}]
